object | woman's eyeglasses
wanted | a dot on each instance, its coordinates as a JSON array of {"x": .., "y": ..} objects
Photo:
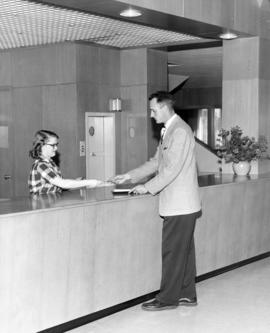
[{"x": 54, "y": 145}]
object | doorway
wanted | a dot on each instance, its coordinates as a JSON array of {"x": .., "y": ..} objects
[{"x": 100, "y": 145}]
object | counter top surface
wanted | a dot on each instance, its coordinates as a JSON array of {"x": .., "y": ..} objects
[{"x": 91, "y": 196}]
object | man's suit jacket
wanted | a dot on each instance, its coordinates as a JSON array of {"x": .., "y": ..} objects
[{"x": 176, "y": 178}]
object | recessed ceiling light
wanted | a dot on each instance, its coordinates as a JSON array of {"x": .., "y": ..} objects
[
  {"x": 173, "y": 64},
  {"x": 228, "y": 35},
  {"x": 130, "y": 12}
]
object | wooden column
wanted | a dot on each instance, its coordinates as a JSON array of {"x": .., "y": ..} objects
[
  {"x": 241, "y": 84},
  {"x": 240, "y": 87},
  {"x": 264, "y": 98},
  {"x": 133, "y": 65},
  {"x": 143, "y": 71},
  {"x": 246, "y": 90},
  {"x": 157, "y": 80}
]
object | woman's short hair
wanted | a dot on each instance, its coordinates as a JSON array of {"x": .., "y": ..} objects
[{"x": 41, "y": 138}]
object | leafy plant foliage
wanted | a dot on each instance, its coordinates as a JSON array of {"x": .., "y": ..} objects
[{"x": 234, "y": 147}]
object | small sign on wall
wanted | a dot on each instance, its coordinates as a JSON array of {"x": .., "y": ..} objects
[
  {"x": 3, "y": 136},
  {"x": 82, "y": 148}
]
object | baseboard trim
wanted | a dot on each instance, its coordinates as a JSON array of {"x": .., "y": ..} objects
[
  {"x": 232, "y": 267},
  {"x": 119, "y": 307}
]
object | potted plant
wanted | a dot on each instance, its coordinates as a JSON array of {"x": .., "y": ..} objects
[{"x": 240, "y": 150}]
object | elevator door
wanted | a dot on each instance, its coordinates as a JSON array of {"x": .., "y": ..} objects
[{"x": 100, "y": 145}]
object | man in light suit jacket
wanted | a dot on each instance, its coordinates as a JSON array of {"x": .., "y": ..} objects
[{"x": 176, "y": 183}]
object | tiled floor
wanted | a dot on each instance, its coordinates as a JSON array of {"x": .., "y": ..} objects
[{"x": 234, "y": 302}]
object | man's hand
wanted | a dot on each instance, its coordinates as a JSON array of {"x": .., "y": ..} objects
[
  {"x": 120, "y": 179},
  {"x": 139, "y": 189},
  {"x": 105, "y": 183}
]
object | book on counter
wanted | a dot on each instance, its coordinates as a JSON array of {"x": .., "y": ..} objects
[{"x": 122, "y": 188}]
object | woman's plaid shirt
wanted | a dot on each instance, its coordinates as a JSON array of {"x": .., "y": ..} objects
[{"x": 40, "y": 177}]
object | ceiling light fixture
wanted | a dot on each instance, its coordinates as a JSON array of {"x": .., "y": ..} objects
[
  {"x": 228, "y": 35},
  {"x": 172, "y": 64},
  {"x": 130, "y": 12}
]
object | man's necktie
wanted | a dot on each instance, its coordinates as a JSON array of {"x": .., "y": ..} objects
[{"x": 162, "y": 132}]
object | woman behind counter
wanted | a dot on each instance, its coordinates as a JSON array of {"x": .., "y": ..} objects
[{"x": 45, "y": 176}]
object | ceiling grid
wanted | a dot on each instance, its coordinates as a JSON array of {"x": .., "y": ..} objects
[{"x": 25, "y": 23}]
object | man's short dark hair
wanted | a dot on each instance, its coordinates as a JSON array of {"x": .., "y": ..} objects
[{"x": 163, "y": 96}]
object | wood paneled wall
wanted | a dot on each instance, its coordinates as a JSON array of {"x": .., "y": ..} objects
[
  {"x": 41, "y": 81},
  {"x": 240, "y": 84},
  {"x": 246, "y": 89},
  {"x": 51, "y": 87},
  {"x": 98, "y": 80},
  {"x": 264, "y": 97},
  {"x": 157, "y": 70},
  {"x": 134, "y": 96},
  {"x": 143, "y": 71}
]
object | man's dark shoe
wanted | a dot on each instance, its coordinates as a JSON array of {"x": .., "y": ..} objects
[
  {"x": 156, "y": 305},
  {"x": 184, "y": 301}
]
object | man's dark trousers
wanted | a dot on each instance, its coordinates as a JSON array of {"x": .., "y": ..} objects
[{"x": 178, "y": 258}]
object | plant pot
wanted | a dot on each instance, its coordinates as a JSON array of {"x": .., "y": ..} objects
[{"x": 241, "y": 168}]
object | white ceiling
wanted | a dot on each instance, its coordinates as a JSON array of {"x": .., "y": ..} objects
[{"x": 202, "y": 66}]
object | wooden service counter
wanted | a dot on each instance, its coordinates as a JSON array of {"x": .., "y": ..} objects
[{"x": 86, "y": 250}]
